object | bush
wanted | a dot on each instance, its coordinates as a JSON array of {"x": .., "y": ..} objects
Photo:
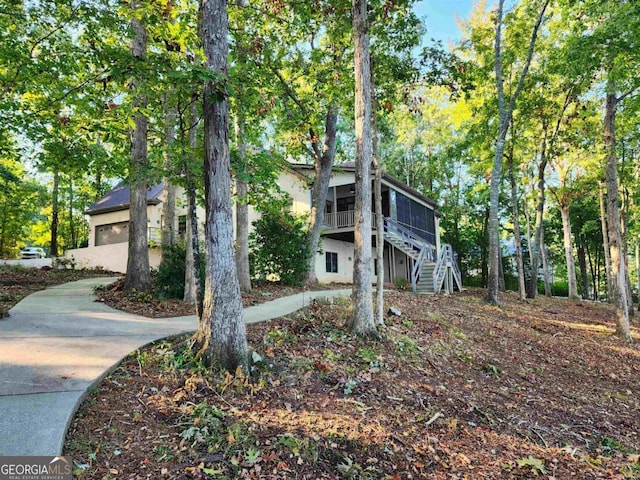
[
  {"x": 168, "y": 280},
  {"x": 279, "y": 248},
  {"x": 401, "y": 283}
]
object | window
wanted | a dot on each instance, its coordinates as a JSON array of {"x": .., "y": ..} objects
[
  {"x": 182, "y": 225},
  {"x": 332, "y": 262}
]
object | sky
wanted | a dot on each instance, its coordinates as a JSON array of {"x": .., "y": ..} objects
[{"x": 441, "y": 17}]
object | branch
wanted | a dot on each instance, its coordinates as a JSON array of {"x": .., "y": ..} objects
[
  {"x": 313, "y": 138},
  {"x": 532, "y": 43},
  {"x": 61, "y": 25},
  {"x": 73, "y": 89},
  {"x": 498, "y": 60},
  {"x": 628, "y": 93},
  {"x": 289, "y": 91}
]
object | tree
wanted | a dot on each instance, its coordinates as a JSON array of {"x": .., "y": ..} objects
[
  {"x": 138, "y": 274},
  {"x": 221, "y": 336},
  {"x": 505, "y": 109},
  {"x": 362, "y": 322}
]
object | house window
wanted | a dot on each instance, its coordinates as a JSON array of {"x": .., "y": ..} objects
[
  {"x": 182, "y": 225},
  {"x": 112, "y": 233},
  {"x": 332, "y": 262}
]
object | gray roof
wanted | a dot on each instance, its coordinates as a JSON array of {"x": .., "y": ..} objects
[{"x": 118, "y": 199}]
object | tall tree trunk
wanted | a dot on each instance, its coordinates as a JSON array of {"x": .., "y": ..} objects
[
  {"x": 193, "y": 292},
  {"x": 168, "y": 188},
  {"x": 618, "y": 263},
  {"x": 568, "y": 252},
  {"x": 537, "y": 246},
  {"x": 501, "y": 285},
  {"x": 582, "y": 261},
  {"x": 531, "y": 283},
  {"x": 72, "y": 228},
  {"x": 493, "y": 283},
  {"x": 55, "y": 213},
  {"x": 505, "y": 110},
  {"x": 605, "y": 239},
  {"x": 595, "y": 274},
  {"x": 138, "y": 274},
  {"x": 484, "y": 249},
  {"x": 545, "y": 267},
  {"x": 362, "y": 322},
  {"x": 221, "y": 333},
  {"x": 323, "y": 165},
  {"x": 522, "y": 293},
  {"x": 242, "y": 209},
  {"x": 378, "y": 205},
  {"x": 638, "y": 268}
]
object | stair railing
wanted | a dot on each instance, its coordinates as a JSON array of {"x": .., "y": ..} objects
[
  {"x": 406, "y": 235},
  {"x": 457, "y": 275},
  {"x": 416, "y": 271},
  {"x": 440, "y": 269}
]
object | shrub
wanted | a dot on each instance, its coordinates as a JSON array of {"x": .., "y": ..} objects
[
  {"x": 401, "y": 283},
  {"x": 279, "y": 248},
  {"x": 168, "y": 280}
]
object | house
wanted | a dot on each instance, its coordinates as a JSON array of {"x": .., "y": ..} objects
[{"x": 411, "y": 236}]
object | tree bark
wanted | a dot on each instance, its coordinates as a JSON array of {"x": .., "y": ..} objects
[
  {"x": 618, "y": 263},
  {"x": 221, "y": 333},
  {"x": 193, "y": 292},
  {"x": 168, "y": 188},
  {"x": 522, "y": 293},
  {"x": 484, "y": 249},
  {"x": 72, "y": 228},
  {"x": 595, "y": 273},
  {"x": 323, "y": 162},
  {"x": 55, "y": 212},
  {"x": 568, "y": 252},
  {"x": 138, "y": 274},
  {"x": 501, "y": 285},
  {"x": 527, "y": 217},
  {"x": 605, "y": 239},
  {"x": 378, "y": 205},
  {"x": 545, "y": 267},
  {"x": 638, "y": 267},
  {"x": 505, "y": 110},
  {"x": 537, "y": 246},
  {"x": 242, "y": 210},
  {"x": 362, "y": 322},
  {"x": 582, "y": 261}
]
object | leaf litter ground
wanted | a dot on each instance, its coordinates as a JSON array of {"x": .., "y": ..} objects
[{"x": 455, "y": 389}]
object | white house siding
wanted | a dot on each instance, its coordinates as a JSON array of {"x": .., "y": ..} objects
[
  {"x": 345, "y": 261},
  {"x": 109, "y": 257}
]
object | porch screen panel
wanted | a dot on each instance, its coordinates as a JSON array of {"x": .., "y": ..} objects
[
  {"x": 403, "y": 209},
  {"x": 417, "y": 217},
  {"x": 431, "y": 226}
]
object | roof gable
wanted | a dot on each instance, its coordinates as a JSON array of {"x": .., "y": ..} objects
[{"x": 118, "y": 199}]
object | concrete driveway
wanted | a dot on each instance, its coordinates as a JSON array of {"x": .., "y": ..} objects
[{"x": 57, "y": 342}]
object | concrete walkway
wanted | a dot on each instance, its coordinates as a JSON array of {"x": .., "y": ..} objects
[{"x": 58, "y": 342}]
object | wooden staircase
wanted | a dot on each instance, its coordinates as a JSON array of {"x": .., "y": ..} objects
[
  {"x": 425, "y": 282},
  {"x": 429, "y": 274}
]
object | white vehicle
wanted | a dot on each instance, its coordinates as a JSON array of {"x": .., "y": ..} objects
[{"x": 32, "y": 252}]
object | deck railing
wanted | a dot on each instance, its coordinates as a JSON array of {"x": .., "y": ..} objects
[{"x": 344, "y": 219}]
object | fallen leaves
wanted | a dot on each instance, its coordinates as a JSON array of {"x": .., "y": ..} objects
[{"x": 475, "y": 392}]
